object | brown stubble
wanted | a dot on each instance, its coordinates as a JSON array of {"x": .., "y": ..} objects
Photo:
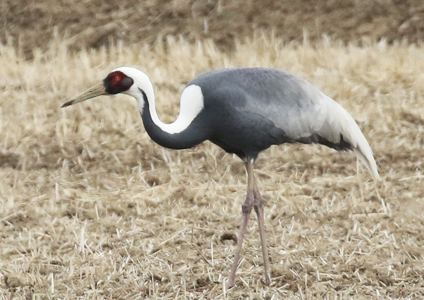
[{"x": 91, "y": 207}]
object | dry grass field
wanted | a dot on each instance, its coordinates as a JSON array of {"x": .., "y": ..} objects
[{"x": 91, "y": 208}]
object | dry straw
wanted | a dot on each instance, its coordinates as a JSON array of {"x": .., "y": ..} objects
[{"x": 91, "y": 208}]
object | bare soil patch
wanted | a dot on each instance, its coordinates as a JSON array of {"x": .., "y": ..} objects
[{"x": 93, "y": 24}]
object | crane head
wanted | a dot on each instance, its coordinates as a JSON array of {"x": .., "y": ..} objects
[{"x": 114, "y": 83}]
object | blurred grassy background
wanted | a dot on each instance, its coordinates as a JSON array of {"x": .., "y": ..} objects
[{"x": 95, "y": 23}]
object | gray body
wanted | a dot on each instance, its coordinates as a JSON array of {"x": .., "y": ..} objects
[
  {"x": 253, "y": 108},
  {"x": 246, "y": 110}
]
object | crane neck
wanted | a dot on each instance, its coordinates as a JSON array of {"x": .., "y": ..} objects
[{"x": 184, "y": 131}]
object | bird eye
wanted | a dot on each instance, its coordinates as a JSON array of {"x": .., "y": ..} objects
[{"x": 116, "y": 78}]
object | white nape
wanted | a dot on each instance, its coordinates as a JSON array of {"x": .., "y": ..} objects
[{"x": 190, "y": 106}]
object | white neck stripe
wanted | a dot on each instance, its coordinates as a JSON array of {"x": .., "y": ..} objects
[{"x": 191, "y": 104}]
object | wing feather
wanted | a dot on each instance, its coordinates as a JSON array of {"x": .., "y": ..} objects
[{"x": 320, "y": 115}]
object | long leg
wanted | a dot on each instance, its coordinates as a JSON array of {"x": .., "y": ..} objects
[
  {"x": 246, "y": 210},
  {"x": 258, "y": 205},
  {"x": 253, "y": 199}
]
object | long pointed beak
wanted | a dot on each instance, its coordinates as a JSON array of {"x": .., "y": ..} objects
[{"x": 95, "y": 91}]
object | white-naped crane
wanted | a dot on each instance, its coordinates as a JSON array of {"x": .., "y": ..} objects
[{"x": 243, "y": 111}]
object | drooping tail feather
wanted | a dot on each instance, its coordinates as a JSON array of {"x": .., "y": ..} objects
[
  {"x": 343, "y": 123},
  {"x": 369, "y": 163},
  {"x": 358, "y": 142}
]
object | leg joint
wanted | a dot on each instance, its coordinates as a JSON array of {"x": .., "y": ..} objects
[
  {"x": 258, "y": 206},
  {"x": 246, "y": 209}
]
